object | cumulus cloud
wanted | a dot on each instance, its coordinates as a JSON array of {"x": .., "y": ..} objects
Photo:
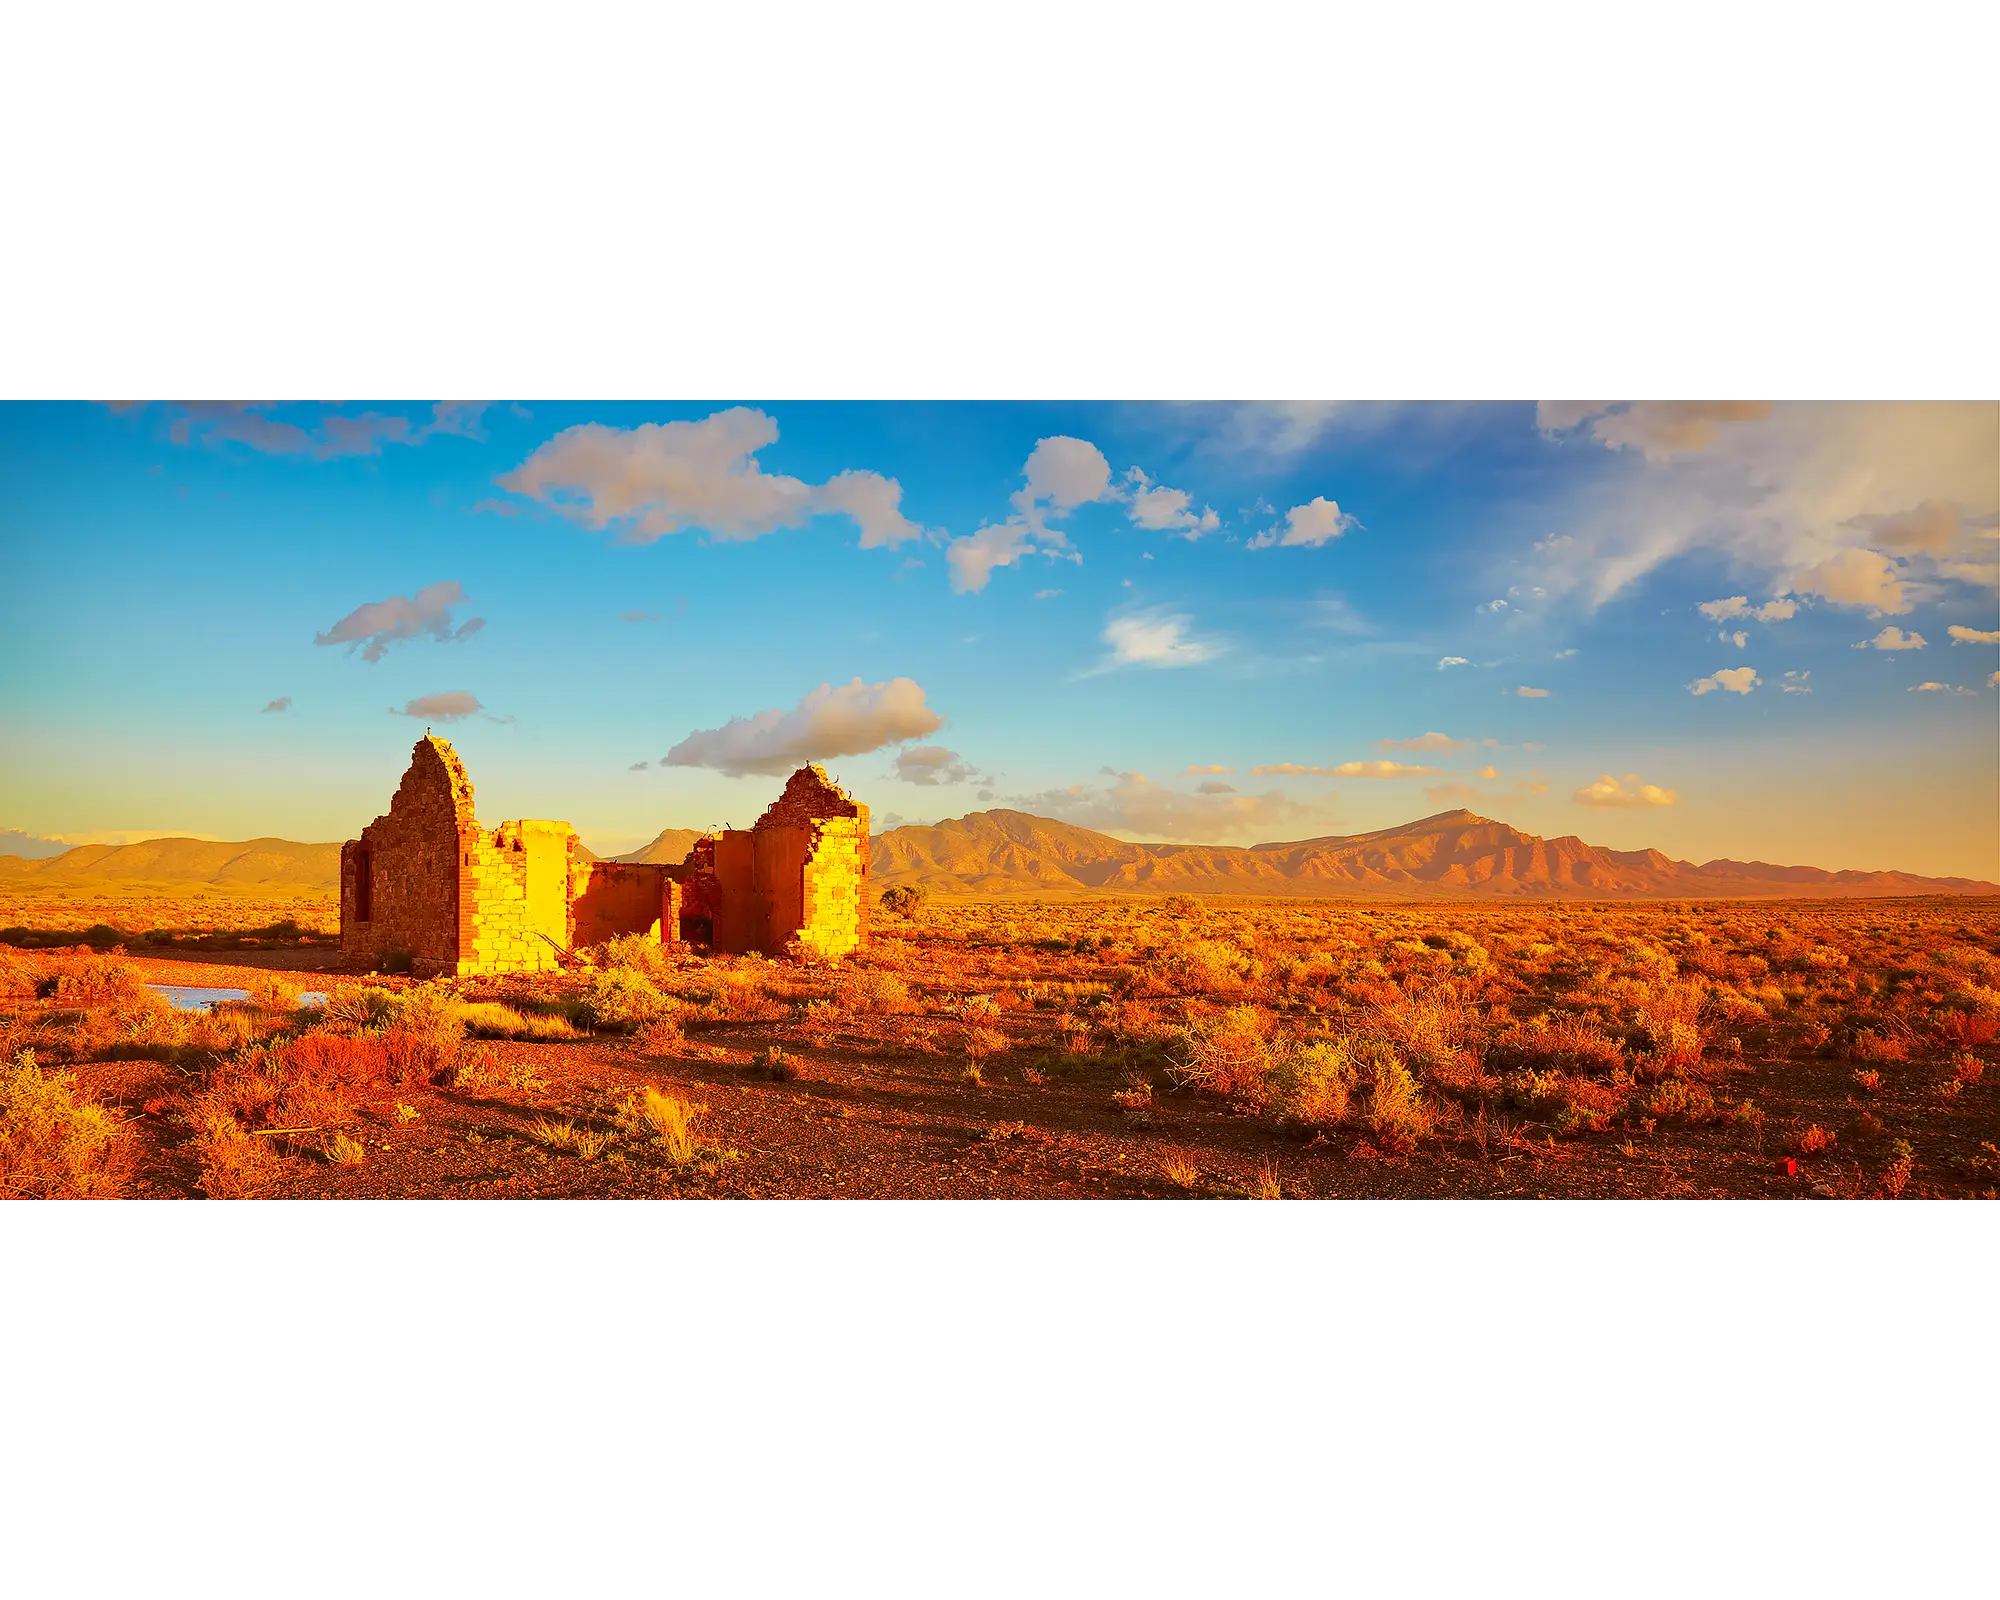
[
  {"x": 1156, "y": 638},
  {"x": 452, "y": 706},
  {"x": 1346, "y": 769},
  {"x": 1159, "y": 509},
  {"x": 1214, "y": 786},
  {"x": 1736, "y": 680},
  {"x": 1739, "y": 605},
  {"x": 1610, "y": 792},
  {"x": 381, "y": 623},
  {"x": 662, "y": 477},
  {"x": 282, "y": 703},
  {"x": 1059, "y": 475},
  {"x": 1532, "y": 694},
  {"x": 1964, "y": 635},
  {"x": 1319, "y": 521},
  {"x": 851, "y": 720},
  {"x": 1893, "y": 639},
  {"x": 931, "y": 765},
  {"x": 1739, "y": 638},
  {"x": 1135, "y": 805},
  {"x": 1869, "y": 504},
  {"x": 1452, "y": 661},
  {"x": 1427, "y": 741},
  {"x": 1197, "y": 771}
]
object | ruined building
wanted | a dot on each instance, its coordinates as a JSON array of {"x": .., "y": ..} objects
[{"x": 428, "y": 879}]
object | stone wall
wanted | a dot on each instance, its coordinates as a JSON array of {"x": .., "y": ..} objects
[
  {"x": 462, "y": 900},
  {"x": 411, "y": 855}
]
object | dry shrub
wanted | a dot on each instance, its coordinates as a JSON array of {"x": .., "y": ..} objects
[
  {"x": 1870, "y": 1045},
  {"x": 483, "y": 1070},
  {"x": 93, "y": 981},
  {"x": 634, "y": 952},
  {"x": 58, "y": 1141},
  {"x": 1968, "y": 1027},
  {"x": 1811, "y": 1140},
  {"x": 879, "y": 993},
  {"x": 1868, "y": 1081},
  {"x": 1896, "y": 1176},
  {"x": 1677, "y": 1100},
  {"x": 343, "y": 1150},
  {"x": 1179, "y": 1170},
  {"x": 19, "y": 974},
  {"x": 1310, "y": 1085},
  {"x": 234, "y": 1166},
  {"x": 1198, "y": 966},
  {"x": 1228, "y": 1055},
  {"x": 1397, "y": 1114},
  {"x": 621, "y": 1000},
  {"x": 273, "y": 992},
  {"x": 662, "y": 1036}
]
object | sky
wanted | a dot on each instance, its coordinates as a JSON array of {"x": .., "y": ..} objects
[{"x": 1728, "y": 629}]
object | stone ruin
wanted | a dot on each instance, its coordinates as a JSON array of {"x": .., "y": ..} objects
[{"x": 428, "y": 879}]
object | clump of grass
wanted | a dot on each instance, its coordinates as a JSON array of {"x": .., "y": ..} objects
[
  {"x": 569, "y": 1137},
  {"x": 57, "y": 1141},
  {"x": 489, "y": 1019},
  {"x": 344, "y": 1150},
  {"x": 665, "y": 1120},
  {"x": 1868, "y": 1080},
  {"x": 775, "y": 1064},
  {"x": 1265, "y": 1185},
  {"x": 1178, "y": 1170},
  {"x": 1397, "y": 1114}
]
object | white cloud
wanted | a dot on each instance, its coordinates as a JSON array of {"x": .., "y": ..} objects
[
  {"x": 1047, "y": 594},
  {"x": 282, "y": 703},
  {"x": 1426, "y": 741},
  {"x": 1739, "y": 606},
  {"x": 662, "y": 477},
  {"x": 1841, "y": 501},
  {"x": 1610, "y": 792},
  {"x": 1319, "y": 521},
  {"x": 1532, "y": 694},
  {"x": 1194, "y": 772},
  {"x": 381, "y": 623},
  {"x": 1936, "y": 688},
  {"x": 1739, "y": 638},
  {"x": 1156, "y": 638},
  {"x": 1162, "y": 510},
  {"x": 1059, "y": 475},
  {"x": 451, "y": 706},
  {"x": 1736, "y": 680},
  {"x": 335, "y": 433},
  {"x": 1864, "y": 578},
  {"x": 931, "y": 765},
  {"x": 1214, "y": 786},
  {"x": 1452, "y": 661},
  {"x": 1893, "y": 639},
  {"x": 1797, "y": 683},
  {"x": 1488, "y": 773},
  {"x": 851, "y": 720},
  {"x": 1964, "y": 635},
  {"x": 1658, "y": 429},
  {"x": 1063, "y": 473}
]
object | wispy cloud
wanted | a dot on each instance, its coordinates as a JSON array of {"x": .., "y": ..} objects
[
  {"x": 282, "y": 703},
  {"x": 1156, "y": 637},
  {"x": 453, "y": 705},
  {"x": 381, "y": 623}
]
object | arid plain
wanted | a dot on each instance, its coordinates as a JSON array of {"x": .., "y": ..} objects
[{"x": 1120, "y": 1046}]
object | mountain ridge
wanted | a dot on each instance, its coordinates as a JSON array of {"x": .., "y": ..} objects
[{"x": 1453, "y": 854}]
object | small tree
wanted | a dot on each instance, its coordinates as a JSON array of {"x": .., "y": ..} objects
[{"x": 905, "y": 899}]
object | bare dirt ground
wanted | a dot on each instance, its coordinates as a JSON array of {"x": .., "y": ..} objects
[{"x": 1093, "y": 1051}]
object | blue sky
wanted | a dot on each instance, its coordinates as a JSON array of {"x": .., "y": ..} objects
[{"x": 1067, "y": 608}]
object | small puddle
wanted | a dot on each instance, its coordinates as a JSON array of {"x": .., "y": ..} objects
[{"x": 192, "y": 997}]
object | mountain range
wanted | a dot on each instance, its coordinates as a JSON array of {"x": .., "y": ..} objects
[{"x": 1453, "y": 855}]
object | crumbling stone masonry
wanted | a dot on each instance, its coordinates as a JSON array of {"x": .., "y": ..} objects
[{"x": 427, "y": 879}]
